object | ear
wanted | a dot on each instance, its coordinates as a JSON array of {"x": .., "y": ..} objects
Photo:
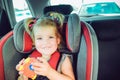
[{"x": 58, "y": 40}]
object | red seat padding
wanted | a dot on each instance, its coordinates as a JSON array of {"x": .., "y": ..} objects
[{"x": 2, "y": 42}]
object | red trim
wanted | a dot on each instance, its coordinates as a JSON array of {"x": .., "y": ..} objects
[
  {"x": 68, "y": 45},
  {"x": 27, "y": 42},
  {"x": 2, "y": 42},
  {"x": 89, "y": 51},
  {"x": 53, "y": 60}
]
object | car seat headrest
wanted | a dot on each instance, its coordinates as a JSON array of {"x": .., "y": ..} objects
[
  {"x": 63, "y": 9},
  {"x": 23, "y": 42},
  {"x": 73, "y": 32}
]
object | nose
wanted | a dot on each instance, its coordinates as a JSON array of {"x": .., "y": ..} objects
[{"x": 46, "y": 41}]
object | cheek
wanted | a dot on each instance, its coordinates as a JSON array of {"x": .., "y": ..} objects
[
  {"x": 54, "y": 42},
  {"x": 38, "y": 43}
]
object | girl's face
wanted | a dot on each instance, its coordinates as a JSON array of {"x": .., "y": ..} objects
[{"x": 46, "y": 41}]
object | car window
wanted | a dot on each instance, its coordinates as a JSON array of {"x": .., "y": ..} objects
[
  {"x": 81, "y": 7},
  {"x": 97, "y": 8},
  {"x": 21, "y": 11}
]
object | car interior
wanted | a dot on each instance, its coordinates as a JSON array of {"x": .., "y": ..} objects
[
  {"x": 4, "y": 23},
  {"x": 92, "y": 41}
]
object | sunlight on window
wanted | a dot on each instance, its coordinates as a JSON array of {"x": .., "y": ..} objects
[{"x": 21, "y": 11}]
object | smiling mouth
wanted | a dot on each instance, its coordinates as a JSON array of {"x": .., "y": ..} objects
[{"x": 46, "y": 48}]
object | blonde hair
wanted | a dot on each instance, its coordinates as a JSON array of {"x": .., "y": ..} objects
[{"x": 51, "y": 19}]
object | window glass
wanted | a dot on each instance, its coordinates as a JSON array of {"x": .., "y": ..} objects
[
  {"x": 92, "y": 7},
  {"x": 100, "y": 7},
  {"x": 21, "y": 10},
  {"x": 81, "y": 7}
]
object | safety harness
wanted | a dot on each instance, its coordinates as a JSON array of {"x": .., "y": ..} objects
[{"x": 54, "y": 61}]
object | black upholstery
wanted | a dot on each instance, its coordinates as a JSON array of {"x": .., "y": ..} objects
[
  {"x": 64, "y": 9},
  {"x": 5, "y": 26},
  {"x": 108, "y": 33}
]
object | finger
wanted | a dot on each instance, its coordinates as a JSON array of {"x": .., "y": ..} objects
[
  {"x": 38, "y": 72},
  {"x": 20, "y": 72},
  {"x": 40, "y": 59},
  {"x": 23, "y": 77},
  {"x": 37, "y": 68},
  {"x": 17, "y": 67},
  {"x": 21, "y": 62},
  {"x": 37, "y": 64}
]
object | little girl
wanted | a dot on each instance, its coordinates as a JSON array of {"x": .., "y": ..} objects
[{"x": 46, "y": 35}]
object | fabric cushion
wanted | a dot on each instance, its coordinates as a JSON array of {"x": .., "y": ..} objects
[
  {"x": 73, "y": 32},
  {"x": 22, "y": 39}
]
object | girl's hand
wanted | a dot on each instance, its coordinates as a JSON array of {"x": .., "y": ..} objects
[
  {"x": 21, "y": 77},
  {"x": 41, "y": 67},
  {"x": 20, "y": 64}
]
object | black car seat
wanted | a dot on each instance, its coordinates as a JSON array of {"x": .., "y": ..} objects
[
  {"x": 82, "y": 43},
  {"x": 108, "y": 32},
  {"x": 5, "y": 26}
]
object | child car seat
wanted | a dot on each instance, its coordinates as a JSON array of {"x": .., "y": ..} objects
[
  {"x": 87, "y": 62},
  {"x": 18, "y": 41}
]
